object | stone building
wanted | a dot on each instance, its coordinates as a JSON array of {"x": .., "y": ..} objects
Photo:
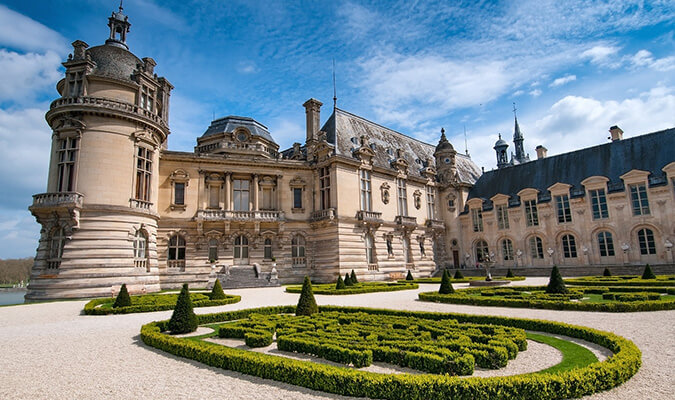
[{"x": 122, "y": 208}]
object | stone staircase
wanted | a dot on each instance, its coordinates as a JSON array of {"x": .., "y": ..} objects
[{"x": 246, "y": 276}]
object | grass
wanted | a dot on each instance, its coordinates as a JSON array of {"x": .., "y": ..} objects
[{"x": 574, "y": 355}]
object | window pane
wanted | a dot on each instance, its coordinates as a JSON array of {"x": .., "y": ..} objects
[
  {"x": 179, "y": 189},
  {"x": 297, "y": 197}
]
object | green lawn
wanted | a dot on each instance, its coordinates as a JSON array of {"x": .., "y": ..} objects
[{"x": 574, "y": 355}]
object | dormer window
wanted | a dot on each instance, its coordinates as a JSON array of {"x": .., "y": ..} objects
[
  {"x": 147, "y": 98},
  {"x": 75, "y": 83}
]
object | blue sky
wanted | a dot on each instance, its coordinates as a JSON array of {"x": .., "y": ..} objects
[{"x": 573, "y": 68}]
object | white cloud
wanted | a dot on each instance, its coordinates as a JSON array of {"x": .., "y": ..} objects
[
  {"x": 22, "y": 33},
  {"x": 563, "y": 80},
  {"x": 25, "y": 76},
  {"x": 19, "y": 233},
  {"x": 644, "y": 58},
  {"x": 518, "y": 93},
  {"x": 600, "y": 54},
  {"x": 535, "y": 93},
  {"x": 285, "y": 130},
  {"x": 247, "y": 67}
]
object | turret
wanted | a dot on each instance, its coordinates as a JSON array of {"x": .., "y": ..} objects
[
  {"x": 502, "y": 156},
  {"x": 518, "y": 139},
  {"x": 446, "y": 167}
]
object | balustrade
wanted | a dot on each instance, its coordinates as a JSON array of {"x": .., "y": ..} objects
[
  {"x": 57, "y": 199},
  {"x": 219, "y": 215}
]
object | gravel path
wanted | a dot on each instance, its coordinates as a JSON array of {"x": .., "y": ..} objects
[{"x": 51, "y": 351}]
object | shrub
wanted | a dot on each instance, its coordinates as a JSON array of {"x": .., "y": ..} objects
[
  {"x": 217, "y": 291},
  {"x": 409, "y": 277},
  {"x": 509, "y": 273},
  {"x": 555, "y": 283},
  {"x": 353, "y": 277},
  {"x": 606, "y": 272},
  {"x": 367, "y": 287},
  {"x": 258, "y": 338},
  {"x": 648, "y": 274},
  {"x": 183, "y": 319},
  {"x": 152, "y": 302},
  {"x": 306, "y": 303},
  {"x": 123, "y": 299},
  {"x": 458, "y": 275},
  {"x": 348, "y": 280},
  {"x": 340, "y": 283},
  {"x": 446, "y": 286}
]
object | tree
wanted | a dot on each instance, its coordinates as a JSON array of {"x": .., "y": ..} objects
[
  {"x": 340, "y": 283},
  {"x": 556, "y": 283},
  {"x": 458, "y": 275},
  {"x": 354, "y": 280},
  {"x": 648, "y": 274},
  {"x": 509, "y": 273},
  {"x": 306, "y": 303},
  {"x": 409, "y": 277},
  {"x": 446, "y": 286},
  {"x": 123, "y": 299},
  {"x": 183, "y": 319},
  {"x": 606, "y": 272},
  {"x": 348, "y": 280},
  {"x": 217, "y": 291}
]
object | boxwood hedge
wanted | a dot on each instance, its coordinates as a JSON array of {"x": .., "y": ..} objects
[
  {"x": 357, "y": 288},
  {"x": 153, "y": 302},
  {"x": 622, "y": 280},
  {"x": 615, "y": 370}
]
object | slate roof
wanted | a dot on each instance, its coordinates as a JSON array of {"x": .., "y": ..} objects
[
  {"x": 343, "y": 129},
  {"x": 231, "y": 122},
  {"x": 113, "y": 62},
  {"x": 650, "y": 152}
]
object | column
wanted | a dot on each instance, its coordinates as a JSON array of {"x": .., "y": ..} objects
[
  {"x": 228, "y": 178},
  {"x": 200, "y": 191},
  {"x": 278, "y": 189},
  {"x": 255, "y": 190}
]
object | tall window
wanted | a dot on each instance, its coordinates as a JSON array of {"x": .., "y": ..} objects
[
  {"x": 268, "y": 249},
  {"x": 147, "y": 99},
  {"x": 407, "y": 253},
  {"x": 179, "y": 193},
  {"x": 605, "y": 244},
  {"x": 536, "y": 247},
  {"x": 502, "y": 216},
  {"x": 298, "y": 250},
  {"x": 297, "y": 197},
  {"x": 240, "y": 194},
  {"x": 366, "y": 193},
  {"x": 599, "y": 204},
  {"x": 639, "y": 201},
  {"x": 402, "y": 197},
  {"x": 569, "y": 246},
  {"x": 370, "y": 249},
  {"x": 143, "y": 173},
  {"x": 324, "y": 187},
  {"x": 646, "y": 241},
  {"x": 57, "y": 241},
  {"x": 266, "y": 199},
  {"x": 213, "y": 250},
  {"x": 176, "y": 257},
  {"x": 75, "y": 83},
  {"x": 477, "y": 219},
  {"x": 67, "y": 156},
  {"x": 140, "y": 250},
  {"x": 507, "y": 250},
  {"x": 241, "y": 249},
  {"x": 531, "y": 215},
  {"x": 563, "y": 207},
  {"x": 431, "y": 202},
  {"x": 482, "y": 251}
]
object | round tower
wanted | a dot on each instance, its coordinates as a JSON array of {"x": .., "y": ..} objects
[
  {"x": 502, "y": 155},
  {"x": 99, "y": 214},
  {"x": 446, "y": 166}
]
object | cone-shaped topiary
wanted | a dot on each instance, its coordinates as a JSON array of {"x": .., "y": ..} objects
[
  {"x": 556, "y": 283},
  {"x": 354, "y": 280},
  {"x": 509, "y": 273},
  {"x": 648, "y": 274},
  {"x": 458, "y": 275},
  {"x": 607, "y": 272},
  {"x": 123, "y": 299},
  {"x": 409, "y": 277},
  {"x": 306, "y": 303},
  {"x": 348, "y": 280},
  {"x": 183, "y": 319},
  {"x": 340, "y": 283},
  {"x": 217, "y": 291},
  {"x": 446, "y": 286}
]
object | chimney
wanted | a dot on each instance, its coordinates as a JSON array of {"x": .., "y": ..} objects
[
  {"x": 313, "y": 111},
  {"x": 541, "y": 152},
  {"x": 617, "y": 133}
]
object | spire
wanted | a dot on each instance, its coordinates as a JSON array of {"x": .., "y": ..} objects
[
  {"x": 119, "y": 27},
  {"x": 334, "y": 88},
  {"x": 520, "y": 156}
]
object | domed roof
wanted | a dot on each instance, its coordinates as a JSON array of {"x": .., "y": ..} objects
[
  {"x": 444, "y": 144},
  {"x": 113, "y": 62},
  {"x": 501, "y": 142},
  {"x": 231, "y": 123}
]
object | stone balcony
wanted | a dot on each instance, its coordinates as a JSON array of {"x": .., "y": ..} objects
[
  {"x": 406, "y": 221},
  {"x": 323, "y": 215},
  {"x": 100, "y": 103},
  {"x": 57, "y": 200},
  {"x": 369, "y": 217},
  {"x": 229, "y": 215},
  {"x": 435, "y": 225}
]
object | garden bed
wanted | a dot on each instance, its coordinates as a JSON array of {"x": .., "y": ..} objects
[
  {"x": 152, "y": 302},
  {"x": 466, "y": 279},
  {"x": 366, "y": 287},
  {"x": 622, "y": 280}
]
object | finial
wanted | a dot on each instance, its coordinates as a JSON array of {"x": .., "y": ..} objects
[
  {"x": 514, "y": 109},
  {"x": 500, "y": 136},
  {"x": 121, "y": 8},
  {"x": 442, "y": 131},
  {"x": 334, "y": 88}
]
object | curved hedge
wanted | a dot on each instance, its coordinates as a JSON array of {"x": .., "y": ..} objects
[
  {"x": 366, "y": 287},
  {"x": 462, "y": 297},
  {"x": 154, "y": 302},
  {"x": 599, "y": 376},
  {"x": 622, "y": 280}
]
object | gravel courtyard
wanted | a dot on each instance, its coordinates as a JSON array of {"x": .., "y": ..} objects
[{"x": 52, "y": 351}]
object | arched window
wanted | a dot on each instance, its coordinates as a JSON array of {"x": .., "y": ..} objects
[
  {"x": 605, "y": 244},
  {"x": 176, "y": 257},
  {"x": 507, "y": 250},
  {"x": 370, "y": 249},
  {"x": 569, "y": 246},
  {"x": 241, "y": 250},
  {"x": 141, "y": 251},
  {"x": 646, "y": 241},
  {"x": 213, "y": 250},
  {"x": 298, "y": 250},
  {"x": 536, "y": 248},
  {"x": 56, "y": 242},
  {"x": 482, "y": 251},
  {"x": 268, "y": 249}
]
